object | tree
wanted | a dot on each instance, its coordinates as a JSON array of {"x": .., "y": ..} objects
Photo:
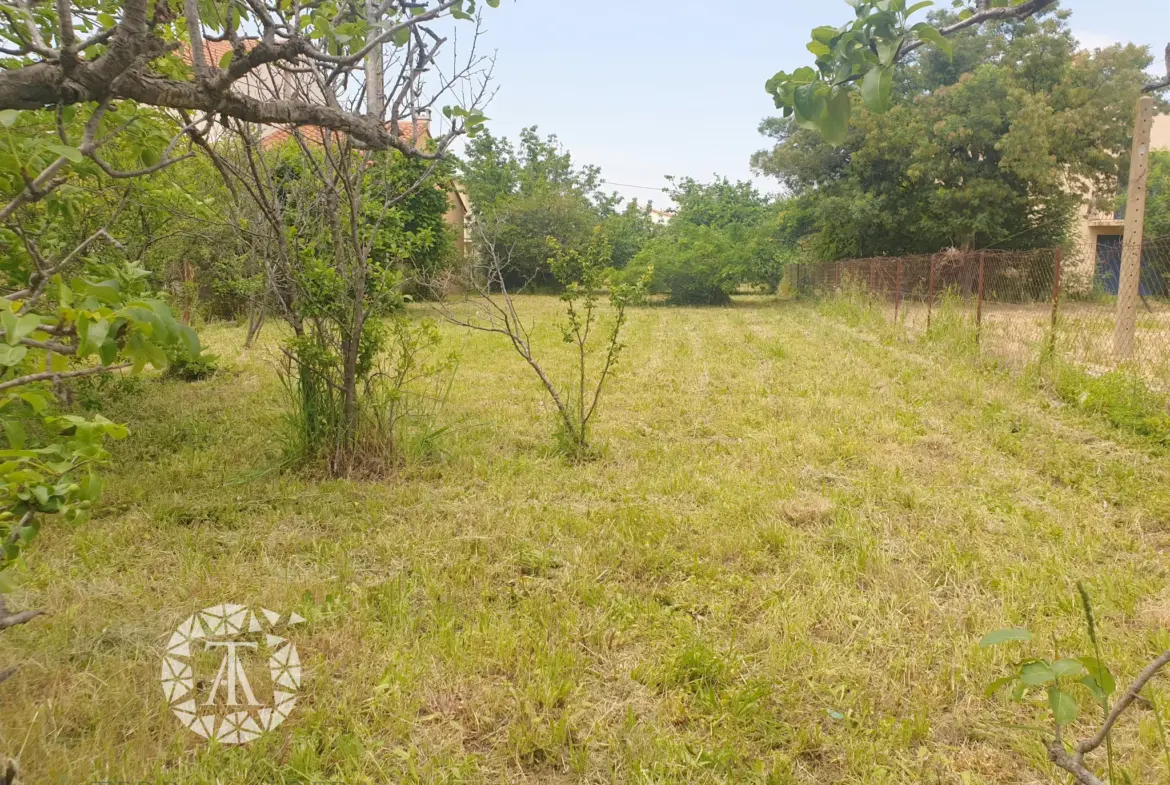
[
  {"x": 719, "y": 239},
  {"x": 95, "y": 73},
  {"x": 966, "y": 158},
  {"x": 71, "y": 306},
  {"x": 534, "y": 191},
  {"x": 1158, "y": 199},
  {"x": 79, "y": 52},
  {"x": 628, "y": 230},
  {"x": 585, "y": 276},
  {"x": 863, "y": 53}
]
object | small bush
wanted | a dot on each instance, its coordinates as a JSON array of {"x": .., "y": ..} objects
[
  {"x": 403, "y": 385},
  {"x": 193, "y": 370}
]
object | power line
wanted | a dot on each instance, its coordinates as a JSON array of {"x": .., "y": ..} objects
[{"x": 643, "y": 187}]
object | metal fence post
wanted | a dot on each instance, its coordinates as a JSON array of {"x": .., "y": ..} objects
[
  {"x": 897, "y": 288},
  {"x": 1056, "y": 270},
  {"x": 930, "y": 294},
  {"x": 979, "y": 297}
]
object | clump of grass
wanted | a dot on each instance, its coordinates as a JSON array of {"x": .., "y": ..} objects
[
  {"x": 854, "y": 304},
  {"x": 1120, "y": 396},
  {"x": 952, "y": 326},
  {"x": 806, "y": 510}
]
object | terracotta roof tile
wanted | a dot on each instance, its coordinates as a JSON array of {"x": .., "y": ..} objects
[{"x": 215, "y": 50}]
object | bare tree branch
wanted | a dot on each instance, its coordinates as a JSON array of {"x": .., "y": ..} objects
[
  {"x": 1160, "y": 84},
  {"x": 44, "y": 376}
]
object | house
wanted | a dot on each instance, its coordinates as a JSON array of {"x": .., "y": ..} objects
[
  {"x": 270, "y": 83},
  {"x": 661, "y": 217},
  {"x": 1099, "y": 234}
]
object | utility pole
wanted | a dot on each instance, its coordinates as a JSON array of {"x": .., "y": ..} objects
[{"x": 1128, "y": 287}]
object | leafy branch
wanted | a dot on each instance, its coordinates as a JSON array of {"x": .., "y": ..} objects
[
  {"x": 865, "y": 51},
  {"x": 1057, "y": 678}
]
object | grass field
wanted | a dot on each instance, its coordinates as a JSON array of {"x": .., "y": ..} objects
[{"x": 777, "y": 572}]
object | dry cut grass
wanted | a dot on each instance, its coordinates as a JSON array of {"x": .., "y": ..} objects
[{"x": 777, "y": 572}]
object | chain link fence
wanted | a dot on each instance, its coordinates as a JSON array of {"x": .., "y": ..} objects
[{"x": 1015, "y": 305}]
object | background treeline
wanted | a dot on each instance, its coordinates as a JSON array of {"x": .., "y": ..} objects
[{"x": 995, "y": 147}]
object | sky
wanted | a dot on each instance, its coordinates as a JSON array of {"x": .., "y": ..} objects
[{"x": 645, "y": 89}]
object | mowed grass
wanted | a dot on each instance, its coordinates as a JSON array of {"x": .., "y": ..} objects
[{"x": 778, "y": 571}]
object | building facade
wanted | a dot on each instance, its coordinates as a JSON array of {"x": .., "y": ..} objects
[{"x": 1100, "y": 233}]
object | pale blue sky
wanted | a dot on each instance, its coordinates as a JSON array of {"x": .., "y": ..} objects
[{"x": 644, "y": 88}]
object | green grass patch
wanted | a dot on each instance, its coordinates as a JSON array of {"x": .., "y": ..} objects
[{"x": 777, "y": 570}]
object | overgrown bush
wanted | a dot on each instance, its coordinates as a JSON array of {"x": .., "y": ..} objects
[
  {"x": 404, "y": 383},
  {"x": 720, "y": 239},
  {"x": 694, "y": 265},
  {"x": 195, "y": 369}
]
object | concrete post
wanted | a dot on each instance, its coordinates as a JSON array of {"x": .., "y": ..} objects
[{"x": 1135, "y": 215}]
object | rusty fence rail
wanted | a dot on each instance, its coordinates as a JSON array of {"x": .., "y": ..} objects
[{"x": 1015, "y": 304}]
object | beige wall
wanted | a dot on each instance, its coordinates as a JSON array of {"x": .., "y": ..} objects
[{"x": 1160, "y": 136}]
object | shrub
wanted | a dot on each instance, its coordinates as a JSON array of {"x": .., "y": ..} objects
[
  {"x": 193, "y": 369},
  {"x": 695, "y": 265},
  {"x": 403, "y": 385}
]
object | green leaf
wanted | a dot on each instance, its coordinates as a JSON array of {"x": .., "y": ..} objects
[
  {"x": 825, "y": 34},
  {"x": 875, "y": 88},
  {"x": 107, "y": 292},
  {"x": 15, "y": 433},
  {"x": 8, "y": 117},
  {"x": 11, "y": 355},
  {"x": 817, "y": 48},
  {"x": 226, "y": 60},
  {"x": 15, "y": 329},
  {"x": 190, "y": 341},
  {"x": 158, "y": 358},
  {"x": 888, "y": 50},
  {"x": 1005, "y": 635},
  {"x": 35, "y": 400},
  {"x": 931, "y": 35},
  {"x": 835, "y": 122},
  {"x": 401, "y": 37},
  {"x": 108, "y": 352},
  {"x": 72, "y": 153},
  {"x": 1099, "y": 674},
  {"x": 7, "y": 582},
  {"x": 94, "y": 337},
  {"x": 1067, "y": 667},
  {"x": 1094, "y": 688},
  {"x": 809, "y": 104},
  {"x": 1037, "y": 673},
  {"x": 1064, "y": 708},
  {"x": 918, "y": 7},
  {"x": 998, "y": 683}
]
